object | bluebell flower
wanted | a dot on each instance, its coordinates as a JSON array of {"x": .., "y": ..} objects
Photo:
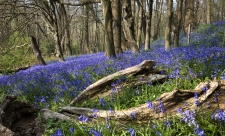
[
  {"x": 199, "y": 131},
  {"x": 102, "y": 102},
  {"x": 154, "y": 126},
  {"x": 58, "y": 133},
  {"x": 220, "y": 116},
  {"x": 95, "y": 132},
  {"x": 72, "y": 129},
  {"x": 150, "y": 105},
  {"x": 168, "y": 124},
  {"x": 95, "y": 113},
  {"x": 133, "y": 115},
  {"x": 180, "y": 110},
  {"x": 197, "y": 102},
  {"x": 158, "y": 133},
  {"x": 131, "y": 131},
  {"x": 204, "y": 89},
  {"x": 196, "y": 95},
  {"x": 83, "y": 118},
  {"x": 161, "y": 106}
]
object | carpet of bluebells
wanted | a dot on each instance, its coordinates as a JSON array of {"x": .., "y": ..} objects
[{"x": 58, "y": 83}]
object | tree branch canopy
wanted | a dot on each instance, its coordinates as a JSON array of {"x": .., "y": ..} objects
[{"x": 81, "y": 2}]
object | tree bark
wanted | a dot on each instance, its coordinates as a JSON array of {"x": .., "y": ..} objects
[
  {"x": 129, "y": 25},
  {"x": 107, "y": 13},
  {"x": 116, "y": 12},
  {"x": 189, "y": 15},
  {"x": 168, "y": 24},
  {"x": 156, "y": 35},
  {"x": 178, "y": 26},
  {"x": 140, "y": 23},
  {"x": 86, "y": 29},
  {"x": 208, "y": 16},
  {"x": 148, "y": 25},
  {"x": 37, "y": 51}
]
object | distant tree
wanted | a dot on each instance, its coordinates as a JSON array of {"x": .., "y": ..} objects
[
  {"x": 129, "y": 25},
  {"x": 189, "y": 22},
  {"x": 86, "y": 29},
  {"x": 36, "y": 50},
  {"x": 208, "y": 12},
  {"x": 116, "y": 12},
  {"x": 148, "y": 24},
  {"x": 159, "y": 14},
  {"x": 178, "y": 23},
  {"x": 107, "y": 13},
  {"x": 140, "y": 21},
  {"x": 168, "y": 23}
]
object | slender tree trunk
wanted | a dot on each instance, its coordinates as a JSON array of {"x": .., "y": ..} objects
[
  {"x": 140, "y": 22},
  {"x": 37, "y": 51},
  {"x": 107, "y": 13},
  {"x": 208, "y": 12},
  {"x": 144, "y": 22},
  {"x": 168, "y": 24},
  {"x": 178, "y": 26},
  {"x": 148, "y": 25},
  {"x": 124, "y": 40},
  {"x": 129, "y": 25},
  {"x": 133, "y": 8},
  {"x": 189, "y": 15},
  {"x": 86, "y": 29},
  {"x": 116, "y": 12},
  {"x": 55, "y": 27},
  {"x": 156, "y": 35}
]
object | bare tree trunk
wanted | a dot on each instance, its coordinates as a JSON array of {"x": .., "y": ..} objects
[
  {"x": 37, "y": 51},
  {"x": 189, "y": 15},
  {"x": 178, "y": 26},
  {"x": 116, "y": 12},
  {"x": 124, "y": 40},
  {"x": 208, "y": 12},
  {"x": 156, "y": 35},
  {"x": 133, "y": 8},
  {"x": 140, "y": 22},
  {"x": 107, "y": 12},
  {"x": 129, "y": 25},
  {"x": 86, "y": 27},
  {"x": 168, "y": 24},
  {"x": 148, "y": 25}
]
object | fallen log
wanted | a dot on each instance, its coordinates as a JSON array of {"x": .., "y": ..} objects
[
  {"x": 171, "y": 102},
  {"x": 94, "y": 89}
]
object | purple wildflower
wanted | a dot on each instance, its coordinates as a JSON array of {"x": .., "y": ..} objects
[
  {"x": 204, "y": 89},
  {"x": 197, "y": 102},
  {"x": 158, "y": 133},
  {"x": 150, "y": 105},
  {"x": 83, "y": 118},
  {"x": 196, "y": 95},
  {"x": 58, "y": 133},
  {"x": 131, "y": 131},
  {"x": 102, "y": 102},
  {"x": 72, "y": 129},
  {"x": 133, "y": 115},
  {"x": 95, "y": 132},
  {"x": 168, "y": 124}
]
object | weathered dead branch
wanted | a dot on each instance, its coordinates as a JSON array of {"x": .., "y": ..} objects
[{"x": 94, "y": 89}]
